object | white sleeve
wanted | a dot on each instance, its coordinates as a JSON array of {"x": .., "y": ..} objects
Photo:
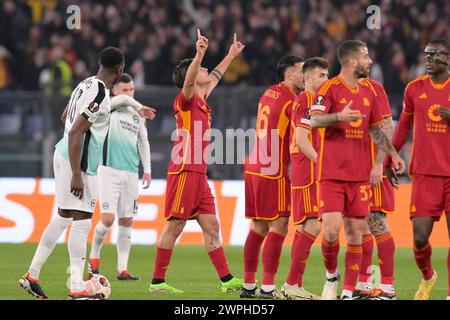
[
  {"x": 144, "y": 148},
  {"x": 93, "y": 98},
  {"x": 122, "y": 100}
]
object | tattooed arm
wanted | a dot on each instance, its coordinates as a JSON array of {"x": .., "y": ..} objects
[
  {"x": 383, "y": 143},
  {"x": 388, "y": 128}
]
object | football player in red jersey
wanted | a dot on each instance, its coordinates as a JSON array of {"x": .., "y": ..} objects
[
  {"x": 267, "y": 184},
  {"x": 347, "y": 114},
  {"x": 188, "y": 168},
  {"x": 427, "y": 104},
  {"x": 303, "y": 146}
]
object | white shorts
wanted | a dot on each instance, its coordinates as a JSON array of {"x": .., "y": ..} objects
[
  {"x": 117, "y": 191},
  {"x": 64, "y": 198}
]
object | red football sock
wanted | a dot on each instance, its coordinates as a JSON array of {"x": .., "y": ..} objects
[
  {"x": 252, "y": 249},
  {"x": 271, "y": 257},
  {"x": 353, "y": 257},
  {"x": 330, "y": 251},
  {"x": 161, "y": 263},
  {"x": 219, "y": 261},
  {"x": 386, "y": 252},
  {"x": 300, "y": 253},
  {"x": 423, "y": 261},
  {"x": 366, "y": 262}
]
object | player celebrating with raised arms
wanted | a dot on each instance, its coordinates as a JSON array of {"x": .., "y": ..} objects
[
  {"x": 267, "y": 184},
  {"x": 125, "y": 143},
  {"x": 188, "y": 195},
  {"x": 347, "y": 114},
  {"x": 303, "y": 146},
  {"x": 427, "y": 104}
]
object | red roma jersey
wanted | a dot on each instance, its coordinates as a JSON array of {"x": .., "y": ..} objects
[
  {"x": 345, "y": 148},
  {"x": 193, "y": 121},
  {"x": 302, "y": 168},
  {"x": 431, "y": 144},
  {"x": 270, "y": 155},
  {"x": 382, "y": 104}
]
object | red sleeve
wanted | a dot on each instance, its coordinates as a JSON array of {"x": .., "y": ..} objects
[
  {"x": 383, "y": 102},
  {"x": 182, "y": 103},
  {"x": 301, "y": 114},
  {"x": 324, "y": 99},
  {"x": 376, "y": 116}
]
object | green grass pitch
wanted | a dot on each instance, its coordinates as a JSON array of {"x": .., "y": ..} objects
[{"x": 191, "y": 271}]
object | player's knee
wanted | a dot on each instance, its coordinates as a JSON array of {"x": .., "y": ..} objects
[
  {"x": 312, "y": 228},
  {"x": 108, "y": 220},
  {"x": 279, "y": 226},
  {"x": 260, "y": 227},
  {"x": 126, "y": 222},
  {"x": 175, "y": 227},
  {"x": 212, "y": 228},
  {"x": 420, "y": 241},
  {"x": 331, "y": 233}
]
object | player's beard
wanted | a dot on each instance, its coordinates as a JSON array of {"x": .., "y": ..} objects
[{"x": 361, "y": 72}]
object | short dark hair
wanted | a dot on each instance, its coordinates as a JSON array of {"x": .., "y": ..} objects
[
  {"x": 286, "y": 62},
  {"x": 125, "y": 78},
  {"x": 349, "y": 48},
  {"x": 179, "y": 73},
  {"x": 441, "y": 41},
  {"x": 315, "y": 62},
  {"x": 111, "y": 57}
]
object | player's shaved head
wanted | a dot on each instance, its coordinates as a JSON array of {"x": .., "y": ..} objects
[
  {"x": 179, "y": 73},
  {"x": 124, "y": 78},
  {"x": 284, "y": 63},
  {"x": 111, "y": 57},
  {"x": 349, "y": 49}
]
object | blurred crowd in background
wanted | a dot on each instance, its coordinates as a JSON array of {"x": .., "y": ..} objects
[{"x": 37, "y": 50}]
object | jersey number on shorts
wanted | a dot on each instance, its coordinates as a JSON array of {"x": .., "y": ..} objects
[{"x": 366, "y": 192}]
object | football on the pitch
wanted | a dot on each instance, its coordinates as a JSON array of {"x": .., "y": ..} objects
[{"x": 99, "y": 286}]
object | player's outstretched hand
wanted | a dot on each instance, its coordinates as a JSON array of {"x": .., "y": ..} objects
[
  {"x": 392, "y": 177},
  {"x": 202, "y": 43},
  {"x": 350, "y": 115},
  {"x": 77, "y": 185},
  {"x": 146, "y": 180},
  {"x": 376, "y": 174},
  {"x": 444, "y": 112},
  {"x": 147, "y": 112},
  {"x": 236, "y": 47},
  {"x": 398, "y": 163}
]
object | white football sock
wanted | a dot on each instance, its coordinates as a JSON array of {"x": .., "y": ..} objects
[
  {"x": 332, "y": 275},
  {"x": 100, "y": 233},
  {"x": 347, "y": 293},
  {"x": 47, "y": 243},
  {"x": 249, "y": 286},
  {"x": 123, "y": 247},
  {"x": 268, "y": 287},
  {"x": 77, "y": 251},
  {"x": 387, "y": 288}
]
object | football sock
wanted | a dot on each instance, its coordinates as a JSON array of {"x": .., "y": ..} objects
[
  {"x": 366, "y": 262},
  {"x": 162, "y": 261},
  {"x": 353, "y": 257},
  {"x": 301, "y": 249},
  {"x": 330, "y": 251},
  {"x": 77, "y": 251},
  {"x": 386, "y": 252},
  {"x": 219, "y": 261},
  {"x": 123, "y": 247},
  {"x": 271, "y": 257},
  {"x": 252, "y": 249},
  {"x": 47, "y": 243},
  {"x": 100, "y": 232},
  {"x": 423, "y": 261}
]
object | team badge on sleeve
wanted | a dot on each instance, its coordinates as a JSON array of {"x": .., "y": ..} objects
[
  {"x": 319, "y": 100},
  {"x": 93, "y": 107}
]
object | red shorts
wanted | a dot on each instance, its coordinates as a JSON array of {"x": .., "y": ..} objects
[
  {"x": 187, "y": 195},
  {"x": 304, "y": 203},
  {"x": 267, "y": 199},
  {"x": 351, "y": 198},
  {"x": 430, "y": 196},
  {"x": 383, "y": 198}
]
